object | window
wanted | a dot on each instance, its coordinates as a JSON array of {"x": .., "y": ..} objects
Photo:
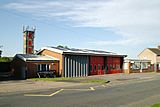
[
  {"x": 99, "y": 66},
  {"x": 95, "y": 67},
  {"x": 106, "y": 67},
  {"x": 29, "y": 43},
  {"x": 30, "y": 34},
  {"x": 29, "y": 50},
  {"x": 102, "y": 67},
  {"x": 144, "y": 65},
  {"x": 110, "y": 66},
  {"x": 43, "y": 67},
  {"x": 113, "y": 66},
  {"x": 136, "y": 65},
  {"x": 117, "y": 66},
  {"x": 90, "y": 67},
  {"x": 39, "y": 67},
  {"x": 159, "y": 66}
]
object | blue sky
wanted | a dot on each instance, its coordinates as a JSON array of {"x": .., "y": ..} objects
[{"x": 121, "y": 26}]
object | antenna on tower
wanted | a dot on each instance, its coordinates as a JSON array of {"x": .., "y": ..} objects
[
  {"x": 34, "y": 28},
  {"x": 27, "y": 27}
]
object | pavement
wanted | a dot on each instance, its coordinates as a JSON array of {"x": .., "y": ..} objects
[{"x": 18, "y": 86}]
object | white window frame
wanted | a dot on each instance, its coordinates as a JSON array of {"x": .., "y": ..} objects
[{"x": 39, "y": 67}]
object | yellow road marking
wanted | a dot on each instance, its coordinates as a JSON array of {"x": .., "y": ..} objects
[
  {"x": 92, "y": 88},
  {"x": 36, "y": 95},
  {"x": 78, "y": 89},
  {"x": 44, "y": 95},
  {"x": 56, "y": 92}
]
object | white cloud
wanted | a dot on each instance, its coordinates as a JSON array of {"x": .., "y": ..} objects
[
  {"x": 117, "y": 42},
  {"x": 136, "y": 20}
]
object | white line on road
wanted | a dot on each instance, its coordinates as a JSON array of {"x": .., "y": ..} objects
[
  {"x": 56, "y": 92},
  {"x": 44, "y": 95},
  {"x": 92, "y": 88}
]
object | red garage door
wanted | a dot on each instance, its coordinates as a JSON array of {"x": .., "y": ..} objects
[
  {"x": 113, "y": 65},
  {"x": 96, "y": 65}
]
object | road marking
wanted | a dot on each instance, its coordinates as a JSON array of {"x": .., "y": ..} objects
[
  {"x": 78, "y": 89},
  {"x": 44, "y": 95},
  {"x": 56, "y": 92},
  {"x": 36, "y": 95},
  {"x": 92, "y": 88},
  {"x": 50, "y": 95}
]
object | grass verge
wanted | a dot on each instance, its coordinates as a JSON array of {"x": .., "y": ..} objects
[
  {"x": 156, "y": 105},
  {"x": 80, "y": 80},
  {"x": 55, "y": 79},
  {"x": 95, "y": 81}
]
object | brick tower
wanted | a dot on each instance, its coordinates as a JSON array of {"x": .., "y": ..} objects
[{"x": 28, "y": 40}]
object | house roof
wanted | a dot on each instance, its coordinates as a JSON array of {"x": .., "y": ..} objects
[
  {"x": 155, "y": 50},
  {"x": 32, "y": 57},
  {"x": 80, "y": 51}
]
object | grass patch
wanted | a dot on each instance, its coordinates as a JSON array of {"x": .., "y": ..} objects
[
  {"x": 55, "y": 79},
  {"x": 95, "y": 81},
  {"x": 156, "y": 105},
  {"x": 79, "y": 80}
]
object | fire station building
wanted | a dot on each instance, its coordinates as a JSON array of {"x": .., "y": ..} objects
[{"x": 84, "y": 62}]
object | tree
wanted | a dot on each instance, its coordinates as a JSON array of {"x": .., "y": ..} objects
[
  {"x": 5, "y": 59},
  {"x": 61, "y": 46},
  {"x": 0, "y": 53},
  {"x": 1, "y": 50}
]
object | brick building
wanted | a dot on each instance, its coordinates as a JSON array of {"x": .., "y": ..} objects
[
  {"x": 84, "y": 62},
  {"x": 28, "y": 65},
  {"x": 152, "y": 54}
]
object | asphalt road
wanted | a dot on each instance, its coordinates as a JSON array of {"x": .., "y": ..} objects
[{"x": 138, "y": 94}]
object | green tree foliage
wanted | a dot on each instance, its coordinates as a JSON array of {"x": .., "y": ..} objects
[
  {"x": 5, "y": 59},
  {"x": 61, "y": 46},
  {"x": 0, "y": 53}
]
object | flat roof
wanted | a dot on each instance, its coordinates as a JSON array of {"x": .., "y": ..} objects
[
  {"x": 33, "y": 57},
  {"x": 136, "y": 60},
  {"x": 73, "y": 51}
]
